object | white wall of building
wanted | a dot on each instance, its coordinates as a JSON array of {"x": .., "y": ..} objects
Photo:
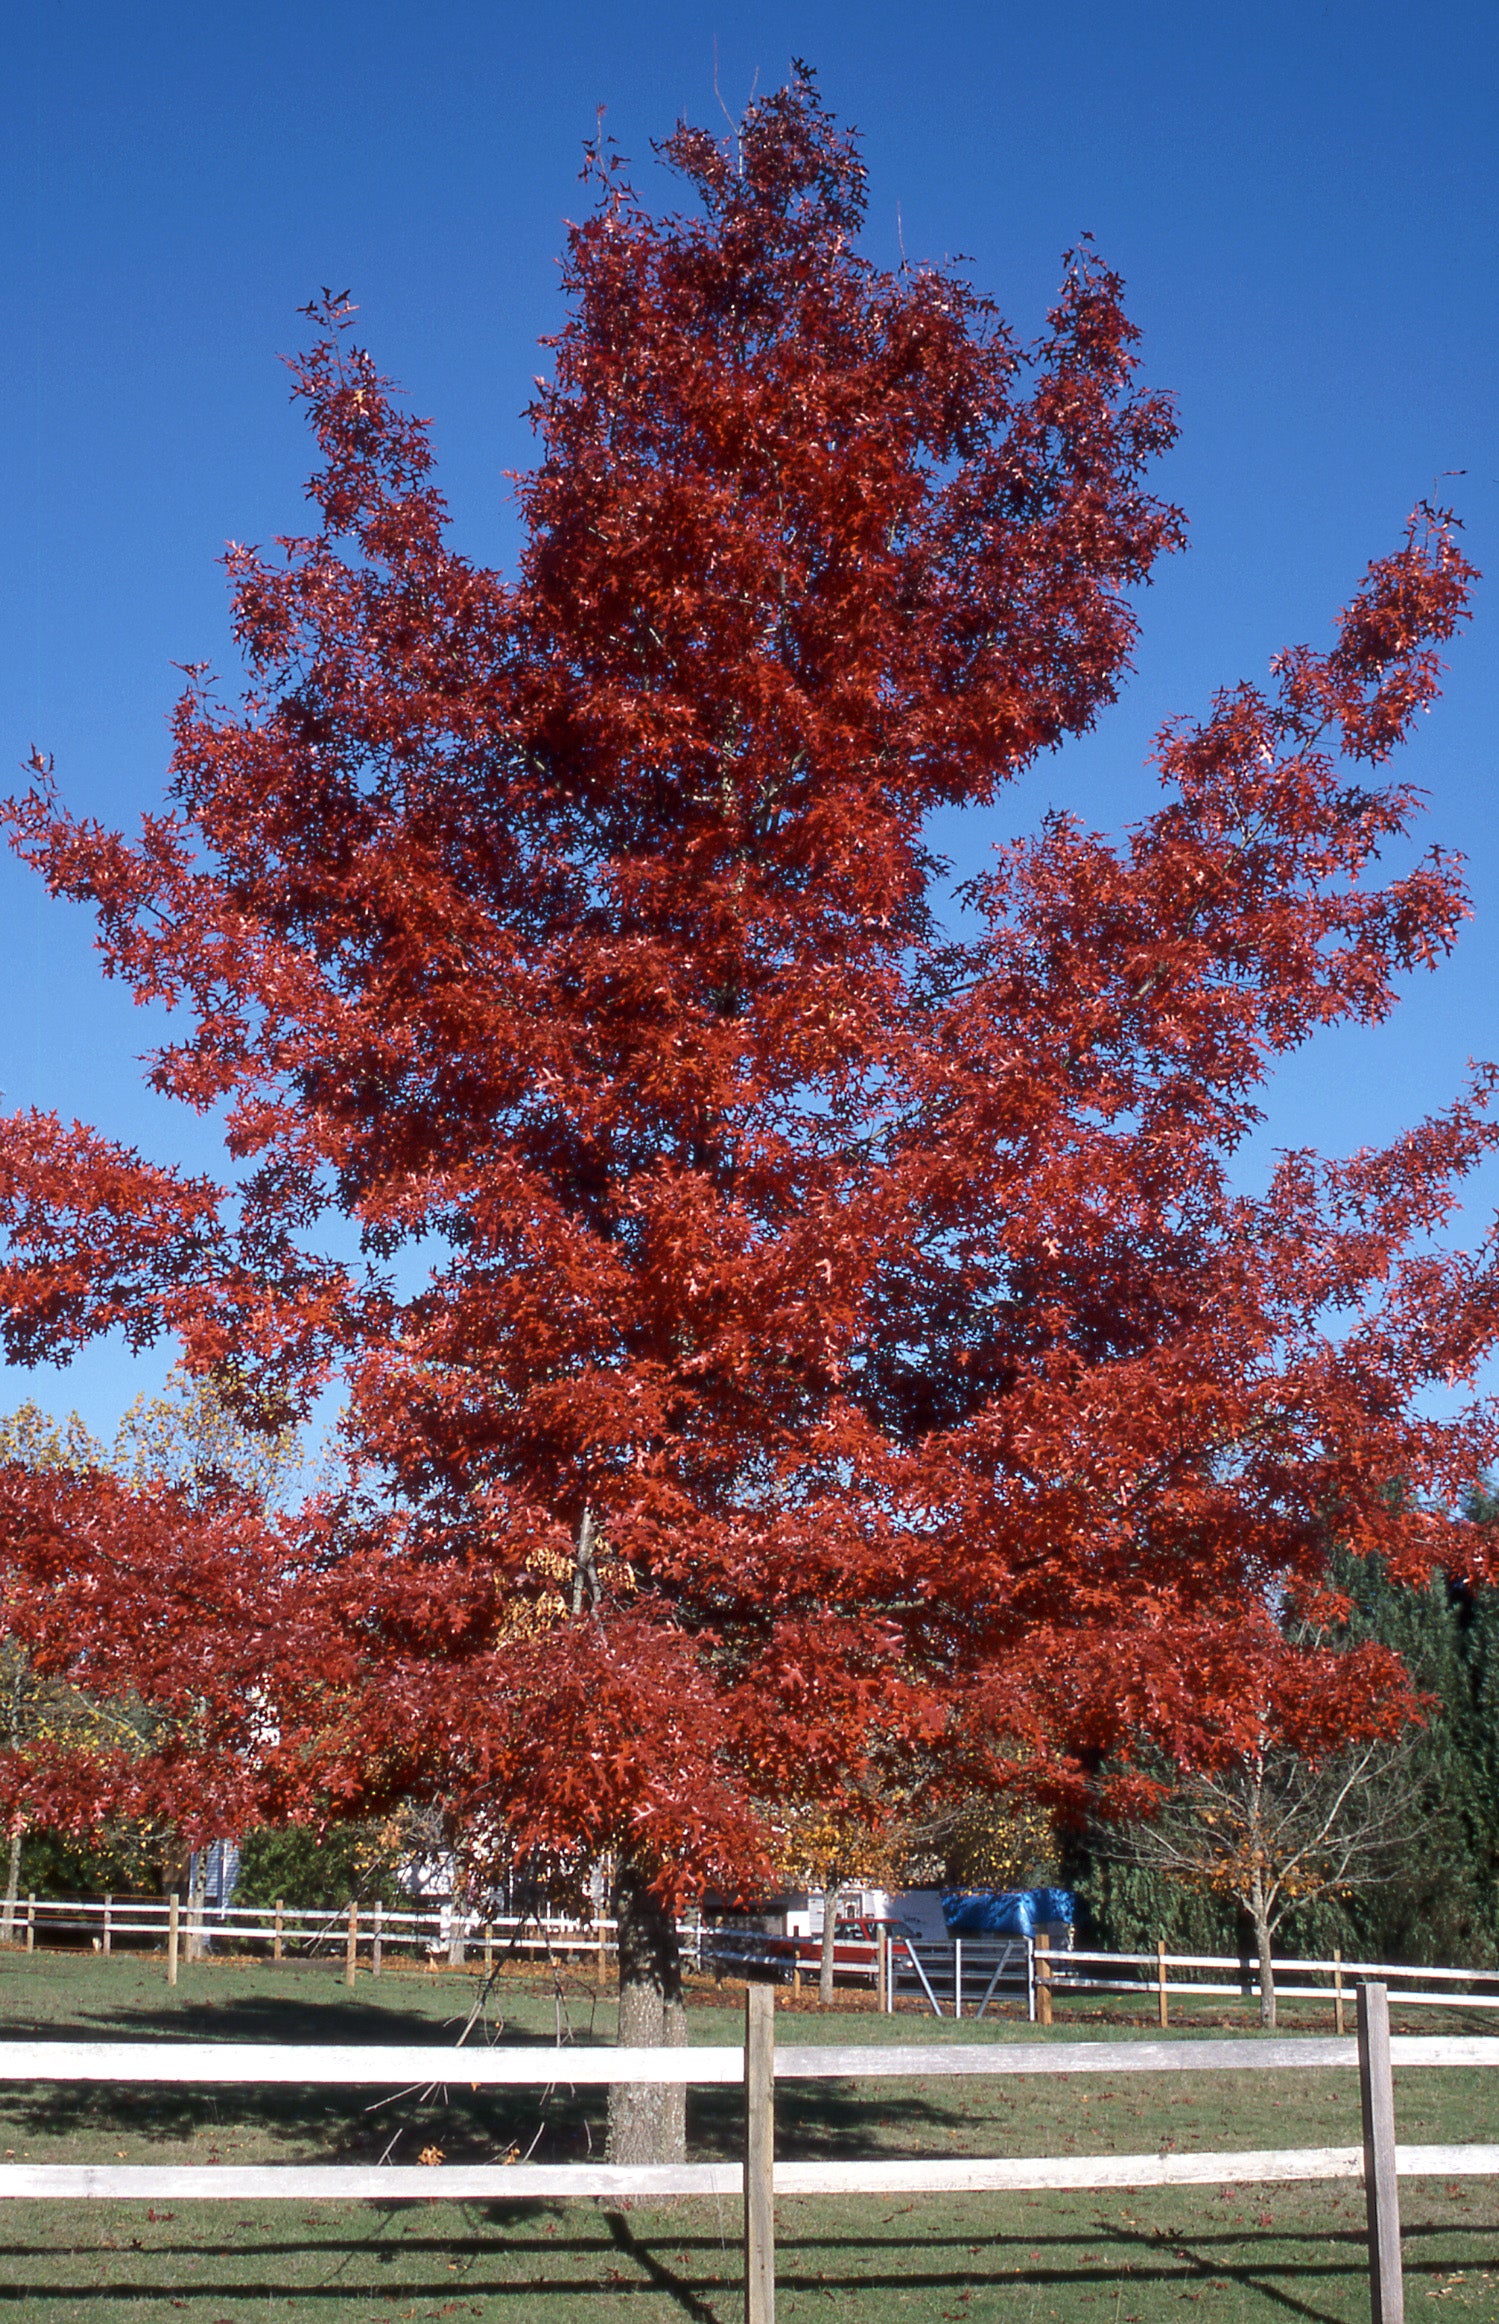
[{"x": 919, "y": 1908}]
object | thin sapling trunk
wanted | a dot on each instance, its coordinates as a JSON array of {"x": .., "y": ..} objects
[
  {"x": 197, "y": 1905},
  {"x": 13, "y": 1880},
  {"x": 1264, "y": 1937},
  {"x": 829, "y": 1937}
]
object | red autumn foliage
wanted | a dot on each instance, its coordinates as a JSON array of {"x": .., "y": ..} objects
[{"x": 783, "y": 1338}]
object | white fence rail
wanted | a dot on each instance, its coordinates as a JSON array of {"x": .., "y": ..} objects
[
  {"x": 283, "y": 1928},
  {"x": 1182, "y": 1974},
  {"x": 964, "y": 1975},
  {"x": 1380, "y": 2161}
]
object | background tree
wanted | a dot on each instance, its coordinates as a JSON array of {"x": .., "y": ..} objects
[
  {"x": 74, "y": 1740},
  {"x": 825, "y": 1848},
  {"x": 1273, "y": 1830},
  {"x": 1439, "y": 1901},
  {"x": 203, "y": 1433},
  {"x": 44, "y": 1718},
  {"x": 786, "y": 1339},
  {"x": 199, "y": 1437},
  {"x": 1436, "y": 1902},
  {"x": 995, "y": 1843},
  {"x": 321, "y": 1870}
]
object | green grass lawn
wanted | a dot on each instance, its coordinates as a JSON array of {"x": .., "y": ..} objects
[{"x": 1236, "y": 2253}]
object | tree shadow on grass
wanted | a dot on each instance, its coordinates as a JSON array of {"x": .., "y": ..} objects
[
  {"x": 665, "y": 2279},
  {"x": 326, "y": 2123},
  {"x": 547, "y": 2123},
  {"x": 262, "y": 2017}
]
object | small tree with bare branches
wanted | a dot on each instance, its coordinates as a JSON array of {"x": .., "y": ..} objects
[{"x": 1274, "y": 1829}]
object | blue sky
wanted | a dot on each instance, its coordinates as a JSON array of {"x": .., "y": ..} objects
[{"x": 1302, "y": 200}]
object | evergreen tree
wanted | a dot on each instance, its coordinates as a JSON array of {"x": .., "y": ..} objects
[{"x": 1440, "y": 1905}]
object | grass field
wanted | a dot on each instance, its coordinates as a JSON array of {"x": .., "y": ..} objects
[{"x": 1241, "y": 2255}]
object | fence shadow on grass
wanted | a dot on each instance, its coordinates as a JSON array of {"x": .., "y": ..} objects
[
  {"x": 1298, "y": 2273},
  {"x": 640, "y": 2254}
]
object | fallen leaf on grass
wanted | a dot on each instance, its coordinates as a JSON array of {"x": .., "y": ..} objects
[{"x": 431, "y": 2155}]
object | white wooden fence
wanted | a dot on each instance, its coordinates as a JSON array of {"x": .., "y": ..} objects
[
  {"x": 963, "y": 1977},
  {"x": 120, "y": 1923},
  {"x": 1380, "y": 2161},
  {"x": 1164, "y": 1974}
]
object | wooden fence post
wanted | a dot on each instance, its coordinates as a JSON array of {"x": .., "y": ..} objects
[
  {"x": 31, "y": 1921},
  {"x": 488, "y": 1947},
  {"x": 1160, "y": 1981},
  {"x": 277, "y": 1944},
  {"x": 108, "y": 1929},
  {"x": 759, "y": 2154},
  {"x": 957, "y": 1976},
  {"x": 377, "y": 1941},
  {"x": 1381, "y": 2187},
  {"x": 1043, "y": 1980},
  {"x": 882, "y": 1970},
  {"x": 351, "y": 1944},
  {"x": 172, "y": 1907},
  {"x": 1337, "y": 1987}
]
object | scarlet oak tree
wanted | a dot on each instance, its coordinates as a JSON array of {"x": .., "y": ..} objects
[{"x": 780, "y": 1336}]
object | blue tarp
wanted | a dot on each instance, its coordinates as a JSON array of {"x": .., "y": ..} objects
[{"x": 1005, "y": 1912}]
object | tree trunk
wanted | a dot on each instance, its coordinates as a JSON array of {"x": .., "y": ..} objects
[
  {"x": 457, "y": 1915},
  {"x": 647, "y": 2121},
  {"x": 829, "y": 1934},
  {"x": 197, "y": 1906},
  {"x": 1264, "y": 1941},
  {"x": 17, "y": 1833},
  {"x": 12, "y": 1882}
]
